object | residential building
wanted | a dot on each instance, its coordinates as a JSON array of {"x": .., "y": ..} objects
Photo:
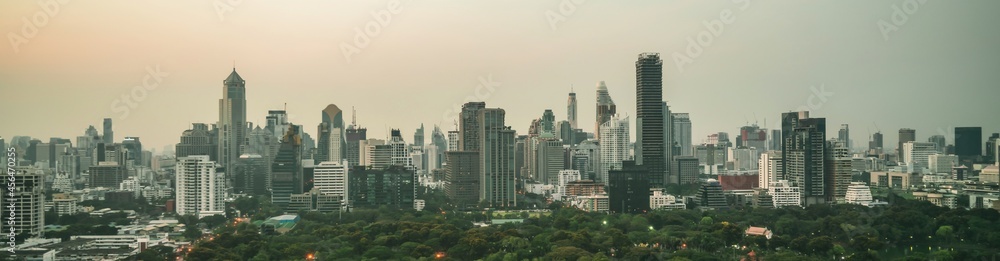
[
  {"x": 628, "y": 189},
  {"x": 784, "y": 194},
  {"x": 200, "y": 189}
]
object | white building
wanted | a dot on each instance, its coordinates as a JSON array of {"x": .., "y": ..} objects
[
  {"x": 614, "y": 146},
  {"x": 916, "y": 154},
  {"x": 744, "y": 158},
  {"x": 769, "y": 166},
  {"x": 784, "y": 194},
  {"x": 64, "y": 205},
  {"x": 331, "y": 178},
  {"x": 24, "y": 202},
  {"x": 659, "y": 200},
  {"x": 859, "y": 193},
  {"x": 990, "y": 174},
  {"x": 565, "y": 177},
  {"x": 130, "y": 184},
  {"x": 938, "y": 163},
  {"x": 200, "y": 190},
  {"x": 63, "y": 182}
]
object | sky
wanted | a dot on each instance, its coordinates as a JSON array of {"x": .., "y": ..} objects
[{"x": 155, "y": 67}]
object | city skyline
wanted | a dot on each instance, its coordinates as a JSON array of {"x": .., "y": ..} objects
[{"x": 757, "y": 69}]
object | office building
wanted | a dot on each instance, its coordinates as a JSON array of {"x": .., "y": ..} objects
[
  {"x": 286, "y": 168},
  {"x": 614, "y": 145},
  {"x": 968, "y": 143},
  {"x": 391, "y": 187},
  {"x": 332, "y": 144},
  {"x": 605, "y": 107},
  {"x": 682, "y": 133},
  {"x": 784, "y": 194},
  {"x": 355, "y": 135},
  {"x": 905, "y": 135},
  {"x": 752, "y": 137},
  {"x": 251, "y": 175},
  {"x": 660, "y": 200},
  {"x": 109, "y": 132},
  {"x": 314, "y": 200},
  {"x": 686, "y": 168},
  {"x": 453, "y": 138},
  {"x": 915, "y": 154},
  {"x": 462, "y": 178},
  {"x": 939, "y": 163},
  {"x": 24, "y": 202},
  {"x": 133, "y": 148},
  {"x": 496, "y": 159},
  {"x": 875, "y": 145},
  {"x": 744, "y": 158},
  {"x": 277, "y": 123},
  {"x": 200, "y": 190},
  {"x": 769, "y": 168},
  {"x": 804, "y": 141},
  {"x": 106, "y": 174},
  {"x": 650, "y": 144},
  {"x": 628, "y": 189},
  {"x": 330, "y": 178},
  {"x": 939, "y": 142},
  {"x": 199, "y": 140},
  {"x": 550, "y": 159},
  {"x": 571, "y": 110},
  {"x": 844, "y": 136},
  {"x": 710, "y": 195},
  {"x": 232, "y": 119}
]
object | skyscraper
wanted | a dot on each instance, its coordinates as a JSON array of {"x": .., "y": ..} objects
[
  {"x": 605, "y": 107},
  {"x": 24, "y": 202},
  {"x": 277, "y": 123},
  {"x": 838, "y": 171},
  {"x": 453, "y": 141},
  {"x": 330, "y": 178},
  {"x": 991, "y": 147},
  {"x": 418, "y": 136},
  {"x": 939, "y": 142},
  {"x": 440, "y": 143},
  {"x": 548, "y": 122},
  {"x": 200, "y": 190},
  {"x": 391, "y": 187},
  {"x": 199, "y": 140},
  {"x": 232, "y": 119},
  {"x": 968, "y": 143},
  {"x": 905, "y": 135},
  {"x": 804, "y": 141},
  {"x": 355, "y": 135},
  {"x": 251, "y": 175},
  {"x": 332, "y": 140},
  {"x": 286, "y": 169},
  {"x": 875, "y": 145},
  {"x": 496, "y": 159},
  {"x": 613, "y": 146},
  {"x": 133, "y": 147},
  {"x": 650, "y": 144},
  {"x": 468, "y": 127},
  {"x": 670, "y": 147},
  {"x": 915, "y": 154},
  {"x": 769, "y": 168},
  {"x": 462, "y": 178},
  {"x": 571, "y": 110},
  {"x": 844, "y": 135},
  {"x": 550, "y": 159},
  {"x": 109, "y": 132},
  {"x": 682, "y": 133}
]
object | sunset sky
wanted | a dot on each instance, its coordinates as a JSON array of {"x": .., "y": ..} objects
[{"x": 67, "y": 65}]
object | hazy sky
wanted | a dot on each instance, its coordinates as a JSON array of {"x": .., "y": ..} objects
[{"x": 936, "y": 67}]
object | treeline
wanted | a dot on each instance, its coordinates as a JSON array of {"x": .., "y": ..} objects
[{"x": 907, "y": 230}]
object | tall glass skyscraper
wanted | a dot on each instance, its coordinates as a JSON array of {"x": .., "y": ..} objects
[
  {"x": 650, "y": 144},
  {"x": 232, "y": 119}
]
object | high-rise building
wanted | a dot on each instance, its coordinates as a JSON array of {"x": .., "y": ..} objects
[
  {"x": 875, "y": 145},
  {"x": 453, "y": 139},
  {"x": 109, "y": 132},
  {"x": 774, "y": 140},
  {"x": 628, "y": 189},
  {"x": 968, "y": 143},
  {"x": 550, "y": 159},
  {"x": 838, "y": 170},
  {"x": 650, "y": 144},
  {"x": 418, "y": 136},
  {"x": 769, "y": 170},
  {"x": 354, "y": 137},
  {"x": 784, "y": 194},
  {"x": 605, "y": 107},
  {"x": 614, "y": 146},
  {"x": 942, "y": 164},
  {"x": 744, "y": 158},
  {"x": 440, "y": 143},
  {"x": 939, "y": 142},
  {"x": 468, "y": 127},
  {"x": 496, "y": 159},
  {"x": 905, "y": 135},
  {"x": 991, "y": 147},
  {"x": 199, "y": 140},
  {"x": 330, "y": 178},
  {"x": 844, "y": 135},
  {"x": 804, "y": 142},
  {"x": 915, "y": 155},
  {"x": 107, "y": 174},
  {"x": 252, "y": 175},
  {"x": 686, "y": 169},
  {"x": 286, "y": 168},
  {"x": 232, "y": 119},
  {"x": 571, "y": 110},
  {"x": 277, "y": 123},
  {"x": 548, "y": 122},
  {"x": 752, "y": 137},
  {"x": 200, "y": 190},
  {"x": 24, "y": 201},
  {"x": 682, "y": 133},
  {"x": 671, "y": 147},
  {"x": 391, "y": 187},
  {"x": 133, "y": 148},
  {"x": 462, "y": 178},
  {"x": 332, "y": 139}
]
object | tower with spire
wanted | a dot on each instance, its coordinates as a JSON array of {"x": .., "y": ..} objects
[
  {"x": 232, "y": 119},
  {"x": 571, "y": 109},
  {"x": 605, "y": 107}
]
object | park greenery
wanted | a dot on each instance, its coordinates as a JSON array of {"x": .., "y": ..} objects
[{"x": 905, "y": 230}]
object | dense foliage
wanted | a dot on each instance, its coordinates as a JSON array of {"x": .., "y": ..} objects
[{"x": 908, "y": 229}]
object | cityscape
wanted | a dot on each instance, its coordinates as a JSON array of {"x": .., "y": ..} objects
[{"x": 342, "y": 154}]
